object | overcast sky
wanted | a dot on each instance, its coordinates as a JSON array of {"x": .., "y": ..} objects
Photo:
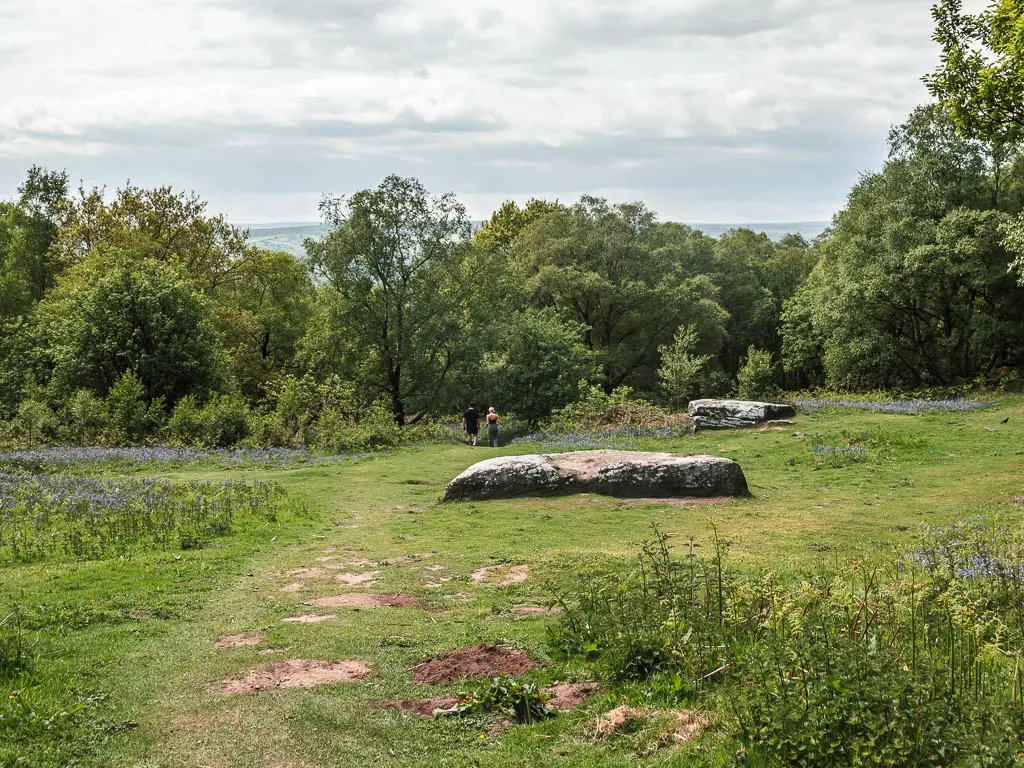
[{"x": 709, "y": 110}]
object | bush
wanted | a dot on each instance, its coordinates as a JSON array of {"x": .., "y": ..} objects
[
  {"x": 917, "y": 662},
  {"x": 86, "y": 417},
  {"x": 756, "y": 377},
  {"x": 130, "y": 419},
  {"x": 221, "y": 422},
  {"x": 596, "y": 411},
  {"x": 683, "y": 375}
]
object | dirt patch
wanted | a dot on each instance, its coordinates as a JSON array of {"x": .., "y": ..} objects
[
  {"x": 295, "y": 673},
  {"x": 355, "y": 579},
  {"x": 689, "y": 724},
  {"x": 359, "y": 562},
  {"x": 524, "y": 611},
  {"x": 311, "y": 618},
  {"x": 619, "y": 719},
  {"x": 418, "y": 707},
  {"x": 295, "y": 586},
  {"x": 240, "y": 641},
  {"x": 307, "y": 573},
  {"x": 675, "y": 727},
  {"x": 402, "y": 559},
  {"x": 502, "y": 575},
  {"x": 485, "y": 660},
  {"x": 369, "y": 601},
  {"x": 568, "y": 696}
]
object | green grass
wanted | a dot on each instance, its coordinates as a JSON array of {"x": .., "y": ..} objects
[{"x": 124, "y": 647}]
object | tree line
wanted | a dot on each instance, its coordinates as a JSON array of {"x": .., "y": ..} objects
[{"x": 136, "y": 314}]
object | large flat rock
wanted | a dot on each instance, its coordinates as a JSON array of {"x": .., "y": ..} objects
[
  {"x": 735, "y": 414},
  {"x": 627, "y": 474}
]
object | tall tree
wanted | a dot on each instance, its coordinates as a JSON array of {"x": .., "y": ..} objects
[
  {"x": 161, "y": 224},
  {"x": 117, "y": 314},
  {"x": 390, "y": 263},
  {"x": 980, "y": 82},
  {"x": 614, "y": 270}
]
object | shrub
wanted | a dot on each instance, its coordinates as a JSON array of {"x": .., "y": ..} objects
[
  {"x": 221, "y": 422},
  {"x": 597, "y": 411},
  {"x": 35, "y": 420},
  {"x": 86, "y": 417},
  {"x": 756, "y": 377},
  {"x": 915, "y": 663},
  {"x": 683, "y": 375}
]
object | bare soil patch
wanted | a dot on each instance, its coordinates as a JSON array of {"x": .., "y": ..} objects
[
  {"x": 240, "y": 641},
  {"x": 369, "y": 601},
  {"x": 307, "y": 573},
  {"x": 310, "y": 618},
  {"x": 402, "y": 559},
  {"x": 568, "y": 696},
  {"x": 295, "y": 586},
  {"x": 356, "y": 579},
  {"x": 295, "y": 673},
  {"x": 418, "y": 707},
  {"x": 502, "y": 575},
  {"x": 676, "y": 727},
  {"x": 486, "y": 660}
]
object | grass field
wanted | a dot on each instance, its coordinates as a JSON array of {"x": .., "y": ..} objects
[{"x": 125, "y": 656}]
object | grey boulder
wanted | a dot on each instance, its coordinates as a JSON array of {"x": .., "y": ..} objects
[
  {"x": 733, "y": 414},
  {"x": 627, "y": 474}
]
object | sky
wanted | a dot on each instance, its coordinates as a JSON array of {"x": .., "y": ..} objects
[{"x": 707, "y": 110}]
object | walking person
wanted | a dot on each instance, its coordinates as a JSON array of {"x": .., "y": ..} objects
[
  {"x": 471, "y": 421},
  {"x": 493, "y": 427}
]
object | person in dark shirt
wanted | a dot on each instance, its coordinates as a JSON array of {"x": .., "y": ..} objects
[{"x": 471, "y": 420}]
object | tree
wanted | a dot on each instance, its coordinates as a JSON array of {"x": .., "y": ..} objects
[
  {"x": 159, "y": 224},
  {"x": 538, "y": 365},
  {"x": 620, "y": 274},
  {"x": 389, "y": 264},
  {"x": 117, "y": 314},
  {"x": 683, "y": 374},
  {"x": 508, "y": 222},
  {"x": 28, "y": 228},
  {"x": 262, "y": 315},
  {"x": 912, "y": 287},
  {"x": 980, "y": 82}
]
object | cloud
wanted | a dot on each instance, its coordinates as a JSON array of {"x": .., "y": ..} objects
[{"x": 717, "y": 105}]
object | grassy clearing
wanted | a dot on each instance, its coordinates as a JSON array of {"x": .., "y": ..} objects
[{"x": 123, "y": 649}]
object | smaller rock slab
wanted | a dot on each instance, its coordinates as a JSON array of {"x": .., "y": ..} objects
[
  {"x": 623, "y": 474},
  {"x": 736, "y": 414}
]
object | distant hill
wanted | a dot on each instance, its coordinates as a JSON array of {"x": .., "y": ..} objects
[
  {"x": 775, "y": 230},
  {"x": 289, "y": 236}
]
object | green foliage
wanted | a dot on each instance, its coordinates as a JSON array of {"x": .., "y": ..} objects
[
  {"x": 220, "y": 422},
  {"x": 130, "y": 418},
  {"x": 389, "y": 266},
  {"x": 116, "y": 315},
  {"x": 683, "y": 375},
  {"x": 522, "y": 701},
  {"x": 35, "y": 420},
  {"x": 86, "y": 416},
  {"x": 596, "y": 410},
  {"x": 756, "y": 377},
  {"x": 915, "y": 663},
  {"x": 912, "y": 288},
  {"x": 539, "y": 364},
  {"x": 616, "y": 271}
]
